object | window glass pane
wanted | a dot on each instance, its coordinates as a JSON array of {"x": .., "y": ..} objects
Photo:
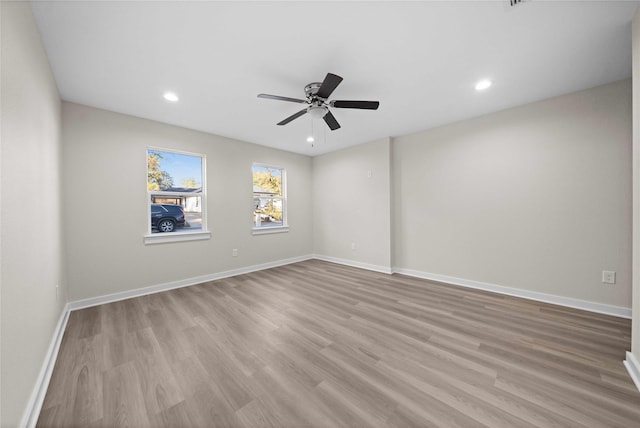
[
  {"x": 268, "y": 212},
  {"x": 185, "y": 212},
  {"x": 174, "y": 185},
  {"x": 269, "y": 204},
  {"x": 167, "y": 217},
  {"x": 267, "y": 180},
  {"x": 193, "y": 212},
  {"x": 173, "y": 172}
]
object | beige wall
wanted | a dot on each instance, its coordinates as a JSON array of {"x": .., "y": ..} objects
[
  {"x": 105, "y": 198},
  {"x": 30, "y": 229},
  {"x": 635, "y": 327},
  {"x": 351, "y": 204},
  {"x": 536, "y": 197}
]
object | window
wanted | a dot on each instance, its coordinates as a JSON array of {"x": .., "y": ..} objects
[
  {"x": 269, "y": 199},
  {"x": 176, "y": 196}
]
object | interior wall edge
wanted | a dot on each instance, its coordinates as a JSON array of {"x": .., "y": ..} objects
[
  {"x": 33, "y": 255},
  {"x": 34, "y": 405},
  {"x": 354, "y": 263},
  {"x": 635, "y": 252},
  {"x": 633, "y": 367}
]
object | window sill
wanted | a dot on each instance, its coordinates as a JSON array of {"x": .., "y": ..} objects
[
  {"x": 163, "y": 238},
  {"x": 269, "y": 230}
]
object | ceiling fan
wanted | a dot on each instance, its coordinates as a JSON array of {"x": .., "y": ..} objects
[{"x": 317, "y": 105}]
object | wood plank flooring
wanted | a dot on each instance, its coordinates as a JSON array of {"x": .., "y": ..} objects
[{"x": 315, "y": 344}]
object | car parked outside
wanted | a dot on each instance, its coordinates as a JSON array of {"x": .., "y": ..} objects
[{"x": 167, "y": 217}]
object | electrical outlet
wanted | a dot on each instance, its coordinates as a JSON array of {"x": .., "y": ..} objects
[
  {"x": 234, "y": 252},
  {"x": 369, "y": 174},
  {"x": 608, "y": 277},
  {"x": 353, "y": 246}
]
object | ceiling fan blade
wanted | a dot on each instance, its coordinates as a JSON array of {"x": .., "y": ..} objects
[
  {"x": 292, "y": 117},
  {"x": 329, "y": 84},
  {"x": 331, "y": 121},
  {"x": 279, "y": 98},
  {"x": 367, "y": 105}
]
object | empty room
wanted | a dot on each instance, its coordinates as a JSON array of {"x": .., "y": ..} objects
[{"x": 320, "y": 214}]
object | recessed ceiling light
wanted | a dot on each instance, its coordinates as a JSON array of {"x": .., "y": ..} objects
[
  {"x": 170, "y": 96},
  {"x": 483, "y": 84},
  {"x": 310, "y": 139}
]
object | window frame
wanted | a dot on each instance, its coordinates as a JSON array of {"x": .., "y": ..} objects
[
  {"x": 265, "y": 230},
  {"x": 178, "y": 235}
]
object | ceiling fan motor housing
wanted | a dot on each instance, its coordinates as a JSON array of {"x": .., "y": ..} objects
[
  {"x": 317, "y": 108},
  {"x": 312, "y": 89}
]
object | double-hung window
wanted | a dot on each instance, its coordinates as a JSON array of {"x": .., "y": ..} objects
[
  {"x": 176, "y": 196},
  {"x": 269, "y": 211}
]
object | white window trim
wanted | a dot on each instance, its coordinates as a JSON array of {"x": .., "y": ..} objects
[
  {"x": 178, "y": 236},
  {"x": 267, "y": 230},
  {"x": 163, "y": 238}
]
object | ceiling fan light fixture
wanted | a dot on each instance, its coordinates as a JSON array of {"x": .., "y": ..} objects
[{"x": 317, "y": 112}]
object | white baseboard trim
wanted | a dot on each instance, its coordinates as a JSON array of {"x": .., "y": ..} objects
[
  {"x": 633, "y": 368},
  {"x": 353, "y": 263},
  {"x": 531, "y": 295},
  {"x": 109, "y": 298},
  {"x": 32, "y": 411},
  {"x": 615, "y": 311}
]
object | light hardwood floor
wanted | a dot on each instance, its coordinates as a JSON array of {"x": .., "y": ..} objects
[{"x": 315, "y": 344}]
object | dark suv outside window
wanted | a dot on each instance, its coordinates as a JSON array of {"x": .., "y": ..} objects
[{"x": 166, "y": 217}]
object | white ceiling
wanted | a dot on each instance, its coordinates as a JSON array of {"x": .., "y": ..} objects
[{"x": 419, "y": 59}]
